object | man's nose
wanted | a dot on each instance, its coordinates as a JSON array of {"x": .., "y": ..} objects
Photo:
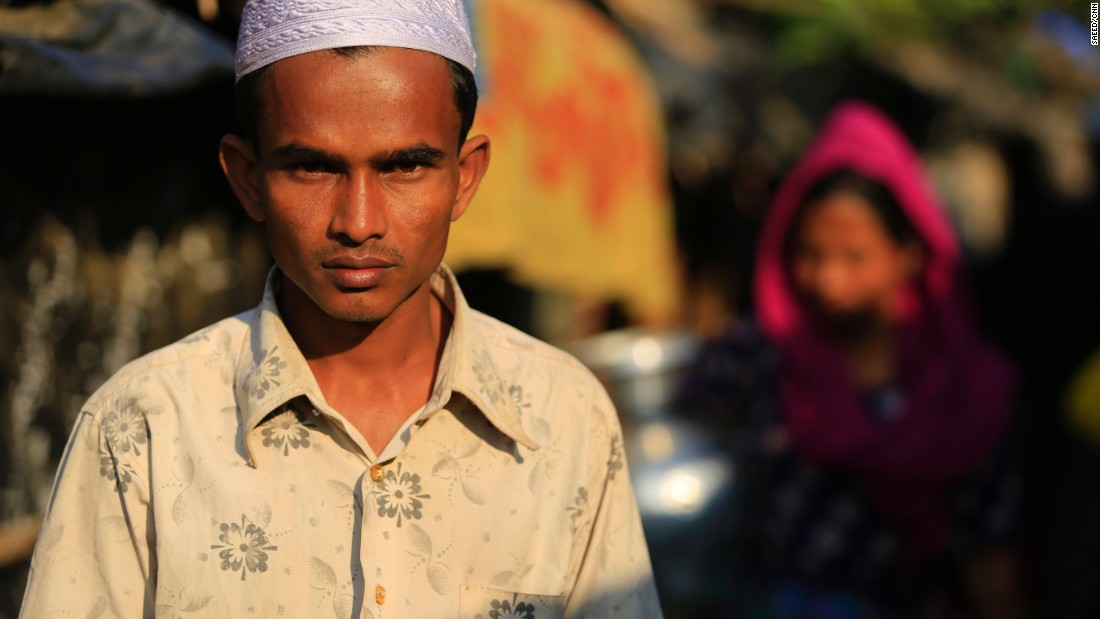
[{"x": 359, "y": 214}]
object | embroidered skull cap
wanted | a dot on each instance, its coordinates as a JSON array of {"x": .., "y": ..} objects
[{"x": 272, "y": 30}]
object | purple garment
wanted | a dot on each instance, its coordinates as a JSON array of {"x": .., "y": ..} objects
[{"x": 808, "y": 533}]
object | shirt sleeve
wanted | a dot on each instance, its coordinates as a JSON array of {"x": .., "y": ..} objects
[
  {"x": 615, "y": 578},
  {"x": 93, "y": 556}
]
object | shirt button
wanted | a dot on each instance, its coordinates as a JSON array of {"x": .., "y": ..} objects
[
  {"x": 379, "y": 595},
  {"x": 377, "y": 473}
]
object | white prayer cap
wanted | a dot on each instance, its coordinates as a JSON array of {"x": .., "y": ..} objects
[{"x": 275, "y": 29}]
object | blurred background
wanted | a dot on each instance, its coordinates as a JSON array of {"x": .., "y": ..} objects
[{"x": 638, "y": 145}]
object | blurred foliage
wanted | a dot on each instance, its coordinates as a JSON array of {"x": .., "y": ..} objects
[{"x": 814, "y": 32}]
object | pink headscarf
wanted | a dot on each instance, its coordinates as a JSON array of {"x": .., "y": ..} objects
[{"x": 958, "y": 390}]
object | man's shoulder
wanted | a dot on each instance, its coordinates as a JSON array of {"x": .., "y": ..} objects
[
  {"x": 541, "y": 370},
  {"x": 507, "y": 341},
  {"x": 207, "y": 355}
]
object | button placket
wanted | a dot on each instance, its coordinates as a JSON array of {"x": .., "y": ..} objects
[{"x": 373, "y": 538}]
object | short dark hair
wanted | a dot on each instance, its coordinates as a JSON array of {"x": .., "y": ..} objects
[{"x": 248, "y": 100}]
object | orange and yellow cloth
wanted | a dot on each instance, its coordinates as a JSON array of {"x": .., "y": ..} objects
[{"x": 576, "y": 197}]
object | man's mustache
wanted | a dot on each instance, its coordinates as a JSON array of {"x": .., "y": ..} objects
[{"x": 373, "y": 249}]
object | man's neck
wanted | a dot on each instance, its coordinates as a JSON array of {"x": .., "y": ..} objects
[
  {"x": 375, "y": 374},
  {"x": 411, "y": 330}
]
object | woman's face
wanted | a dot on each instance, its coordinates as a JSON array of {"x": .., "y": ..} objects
[{"x": 845, "y": 265}]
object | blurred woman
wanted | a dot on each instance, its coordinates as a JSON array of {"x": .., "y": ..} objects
[{"x": 877, "y": 472}]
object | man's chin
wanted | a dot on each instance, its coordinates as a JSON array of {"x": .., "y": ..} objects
[
  {"x": 366, "y": 306},
  {"x": 365, "y": 316},
  {"x": 344, "y": 307}
]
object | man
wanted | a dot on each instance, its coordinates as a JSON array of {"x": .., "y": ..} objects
[{"x": 362, "y": 444}]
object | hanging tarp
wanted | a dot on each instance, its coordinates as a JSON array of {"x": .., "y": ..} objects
[{"x": 576, "y": 196}]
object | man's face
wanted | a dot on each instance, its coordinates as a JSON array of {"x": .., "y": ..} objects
[{"x": 357, "y": 177}]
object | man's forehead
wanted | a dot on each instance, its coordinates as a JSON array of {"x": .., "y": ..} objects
[
  {"x": 401, "y": 64},
  {"x": 352, "y": 76},
  {"x": 272, "y": 30},
  {"x": 389, "y": 99}
]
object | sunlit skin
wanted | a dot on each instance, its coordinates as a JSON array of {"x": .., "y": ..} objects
[
  {"x": 849, "y": 272},
  {"x": 357, "y": 176}
]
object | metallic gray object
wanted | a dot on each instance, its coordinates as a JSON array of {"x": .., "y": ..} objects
[
  {"x": 686, "y": 481},
  {"x": 640, "y": 368}
]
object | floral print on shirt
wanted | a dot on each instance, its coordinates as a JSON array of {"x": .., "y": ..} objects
[
  {"x": 125, "y": 428},
  {"x": 491, "y": 386},
  {"x": 503, "y": 609},
  {"x": 520, "y": 402},
  {"x": 243, "y": 547},
  {"x": 120, "y": 474},
  {"x": 615, "y": 460},
  {"x": 399, "y": 495},
  {"x": 267, "y": 374},
  {"x": 286, "y": 431},
  {"x": 577, "y": 509}
]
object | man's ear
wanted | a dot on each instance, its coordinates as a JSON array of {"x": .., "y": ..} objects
[
  {"x": 241, "y": 167},
  {"x": 473, "y": 160}
]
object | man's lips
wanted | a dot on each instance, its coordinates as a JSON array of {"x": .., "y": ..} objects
[
  {"x": 358, "y": 271},
  {"x": 357, "y": 262}
]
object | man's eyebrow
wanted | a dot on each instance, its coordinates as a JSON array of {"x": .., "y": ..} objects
[
  {"x": 298, "y": 152},
  {"x": 421, "y": 153}
]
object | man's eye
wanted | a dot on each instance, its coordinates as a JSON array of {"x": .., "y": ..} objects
[
  {"x": 407, "y": 167},
  {"x": 312, "y": 167}
]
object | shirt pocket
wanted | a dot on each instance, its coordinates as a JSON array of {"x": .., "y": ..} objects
[{"x": 489, "y": 603}]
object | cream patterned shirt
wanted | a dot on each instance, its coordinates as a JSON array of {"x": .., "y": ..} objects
[{"x": 211, "y": 479}]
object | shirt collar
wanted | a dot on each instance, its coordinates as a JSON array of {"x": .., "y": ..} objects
[
  {"x": 271, "y": 370},
  {"x": 468, "y": 365}
]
